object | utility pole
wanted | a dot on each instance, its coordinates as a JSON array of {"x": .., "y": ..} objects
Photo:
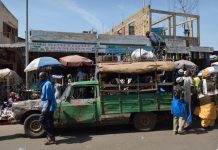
[{"x": 27, "y": 46}]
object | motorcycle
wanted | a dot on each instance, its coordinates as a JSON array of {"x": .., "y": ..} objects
[{"x": 6, "y": 113}]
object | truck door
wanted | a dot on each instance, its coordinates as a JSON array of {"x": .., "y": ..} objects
[{"x": 79, "y": 106}]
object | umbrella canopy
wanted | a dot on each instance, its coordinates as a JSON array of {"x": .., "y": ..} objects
[
  {"x": 75, "y": 61},
  {"x": 208, "y": 71},
  {"x": 184, "y": 64},
  {"x": 42, "y": 62},
  {"x": 214, "y": 64},
  {"x": 7, "y": 75}
]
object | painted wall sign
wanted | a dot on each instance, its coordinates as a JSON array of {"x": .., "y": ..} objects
[
  {"x": 175, "y": 43},
  {"x": 83, "y": 48},
  {"x": 64, "y": 47},
  {"x": 122, "y": 49}
]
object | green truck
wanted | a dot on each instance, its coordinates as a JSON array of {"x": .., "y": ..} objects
[{"x": 138, "y": 93}]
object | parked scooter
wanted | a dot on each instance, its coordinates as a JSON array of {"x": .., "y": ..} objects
[{"x": 6, "y": 113}]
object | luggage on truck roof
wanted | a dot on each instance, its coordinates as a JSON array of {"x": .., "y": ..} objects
[{"x": 136, "y": 67}]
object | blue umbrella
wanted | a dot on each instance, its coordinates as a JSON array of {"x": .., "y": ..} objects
[{"x": 42, "y": 62}]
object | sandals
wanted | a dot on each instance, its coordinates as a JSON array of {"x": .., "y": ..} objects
[{"x": 50, "y": 140}]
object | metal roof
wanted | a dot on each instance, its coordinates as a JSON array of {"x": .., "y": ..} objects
[
  {"x": 13, "y": 45},
  {"x": 64, "y": 37},
  {"x": 123, "y": 40},
  {"x": 69, "y": 37}
]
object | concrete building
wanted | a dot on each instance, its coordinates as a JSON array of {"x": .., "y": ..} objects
[
  {"x": 181, "y": 32},
  {"x": 11, "y": 52},
  {"x": 148, "y": 19},
  {"x": 8, "y": 26}
]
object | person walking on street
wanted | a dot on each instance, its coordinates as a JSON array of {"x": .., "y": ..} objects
[
  {"x": 49, "y": 106},
  {"x": 178, "y": 109}
]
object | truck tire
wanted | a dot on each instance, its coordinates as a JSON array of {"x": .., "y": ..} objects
[
  {"x": 144, "y": 121},
  {"x": 32, "y": 126}
]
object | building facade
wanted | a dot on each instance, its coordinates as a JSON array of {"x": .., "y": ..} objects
[
  {"x": 181, "y": 32},
  {"x": 8, "y": 26},
  {"x": 164, "y": 22},
  {"x": 58, "y": 44},
  {"x": 11, "y": 52}
]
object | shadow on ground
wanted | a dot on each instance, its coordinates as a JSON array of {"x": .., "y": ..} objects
[
  {"x": 11, "y": 137},
  {"x": 73, "y": 139},
  {"x": 195, "y": 127},
  {"x": 84, "y": 134}
]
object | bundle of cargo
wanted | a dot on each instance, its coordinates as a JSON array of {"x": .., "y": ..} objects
[
  {"x": 136, "y": 67},
  {"x": 206, "y": 99},
  {"x": 141, "y": 54},
  {"x": 207, "y": 110}
]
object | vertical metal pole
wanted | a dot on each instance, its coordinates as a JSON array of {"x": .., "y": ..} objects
[
  {"x": 27, "y": 45},
  {"x": 198, "y": 30}
]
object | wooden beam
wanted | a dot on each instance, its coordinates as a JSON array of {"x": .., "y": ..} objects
[
  {"x": 185, "y": 21},
  {"x": 191, "y": 29},
  {"x": 169, "y": 26},
  {"x": 174, "y": 26},
  {"x": 161, "y": 19},
  {"x": 182, "y": 22},
  {"x": 198, "y": 30},
  {"x": 173, "y": 13}
]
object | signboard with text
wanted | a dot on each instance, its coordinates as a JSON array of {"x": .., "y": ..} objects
[
  {"x": 64, "y": 47},
  {"x": 83, "y": 48},
  {"x": 175, "y": 43}
]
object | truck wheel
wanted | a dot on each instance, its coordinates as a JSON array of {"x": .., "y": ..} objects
[
  {"x": 144, "y": 121},
  {"x": 32, "y": 126}
]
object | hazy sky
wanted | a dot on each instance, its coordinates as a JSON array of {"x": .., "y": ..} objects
[{"x": 80, "y": 15}]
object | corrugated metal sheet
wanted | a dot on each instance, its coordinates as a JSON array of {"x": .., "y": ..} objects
[
  {"x": 123, "y": 40},
  {"x": 65, "y": 37},
  {"x": 13, "y": 45},
  {"x": 50, "y": 36}
]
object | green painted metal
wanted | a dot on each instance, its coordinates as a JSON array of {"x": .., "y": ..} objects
[
  {"x": 72, "y": 113},
  {"x": 72, "y": 110},
  {"x": 129, "y": 103},
  {"x": 92, "y": 82}
]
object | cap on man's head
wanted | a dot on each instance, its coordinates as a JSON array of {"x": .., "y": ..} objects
[
  {"x": 42, "y": 75},
  {"x": 179, "y": 79},
  {"x": 69, "y": 76},
  {"x": 181, "y": 72}
]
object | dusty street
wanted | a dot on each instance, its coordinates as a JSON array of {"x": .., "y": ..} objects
[{"x": 111, "y": 137}]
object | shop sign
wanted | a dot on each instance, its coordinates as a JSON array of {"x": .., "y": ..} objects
[
  {"x": 121, "y": 49},
  {"x": 64, "y": 47},
  {"x": 175, "y": 43}
]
